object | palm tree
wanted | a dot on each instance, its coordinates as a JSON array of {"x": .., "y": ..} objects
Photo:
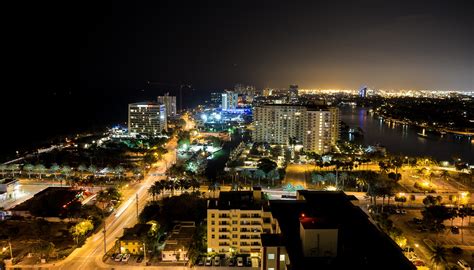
[
  {"x": 439, "y": 256},
  {"x": 3, "y": 168},
  {"x": 66, "y": 170},
  {"x": 246, "y": 174},
  {"x": 82, "y": 168},
  {"x": 259, "y": 174},
  {"x": 40, "y": 169},
  {"x": 92, "y": 169},
  {"x": 14, "y": 168},
  {"x": 273, "y": 175},
  {"x": 119, "y": 170},
  {"x": 155, "y": 189},
  {"x": 54, "y": 169},
  {"x": 29, "y": 168}
]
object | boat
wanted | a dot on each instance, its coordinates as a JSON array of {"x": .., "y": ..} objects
[{"x": 423, "y": 134}]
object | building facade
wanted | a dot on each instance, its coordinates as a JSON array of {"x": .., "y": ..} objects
[
  {"x": 235, "y": 222},
  {"x": 229, "y": 100},
  {"x": 170, "y": 104},
  {"x": 147, "y": 118},
  {"x": 316, "y": 127},
  {"x": 132, "y": 239}
]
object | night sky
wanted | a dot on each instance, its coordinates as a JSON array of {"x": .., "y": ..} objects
[
  {"x": 77, "y": 65},
  {"x": 327, "y": 44}
]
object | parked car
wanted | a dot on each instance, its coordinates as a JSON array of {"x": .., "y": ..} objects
[
  {"x": 126, "y": 257},
  {"x": 217, "y": 261},
  {"x": 140, "y": 259},
  {"x": 201, "y": 261},
  {"x": 118, "y": 258},
  {"x": 397, "y": 211},
  {"x": 248, "y": 262},
  {"x": 208, "y": 261},
  {"x": 403, "y": 211},
  {"x": 240, "y": 261},
  {"x": 455, "y": 230},
  {"x": 417, "y": 220},
  {"x": 231, "y": 262},
  {"x": 464, "y": 265}
]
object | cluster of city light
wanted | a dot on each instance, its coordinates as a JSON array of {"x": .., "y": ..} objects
[{"x": 389, "y": 92}]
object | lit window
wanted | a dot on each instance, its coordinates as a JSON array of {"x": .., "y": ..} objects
[
  {"x": 282, "y": 258},
  {"x": 271, "y": 256}
]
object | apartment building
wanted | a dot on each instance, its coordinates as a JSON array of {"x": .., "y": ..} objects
[
  {"x": 229, "y": 100},
  {"x": 170, "y": 104},
  {"x": 147, "y": 118},
  {"x": 235, "y": 222},
  {"x": 315, "y": 127}
]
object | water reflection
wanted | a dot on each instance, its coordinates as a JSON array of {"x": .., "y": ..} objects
[{"x": 403, "y": 139}]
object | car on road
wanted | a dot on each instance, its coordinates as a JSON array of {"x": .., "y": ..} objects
[
  {"x": 200, "y": 261},
  {"x": 455, "y": 229},
  {"x": 240, "y": 262},
  {"x": 208, "y": 261},
  {"x": 126, "y": 257},
  {"x": 217, "y": 261},
  {"x": 464, "y": 265},
  {"x": 397, "y": 211},
  {"x": 417, "y": 220},
  {"x": 140, "y": 259},
  {"x": 403, "y": 211},
  {"x": 231, "y": 262},
  {"x": 118, "y": 258},
  {"x": 419, "y": 263}
]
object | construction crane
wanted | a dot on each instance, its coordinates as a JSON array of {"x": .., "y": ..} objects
[{"x": 180, "y": 85}]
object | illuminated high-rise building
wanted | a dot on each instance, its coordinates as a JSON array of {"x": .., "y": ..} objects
[
  {"x": 147, "y": 118},
  {"x": 315, "y": 127},
  {"x": 363, "y": 92},
  {"x": 170, "y": 104},
  {"x": 293, "y": 90},
  {"x": 229, "y": 100}
]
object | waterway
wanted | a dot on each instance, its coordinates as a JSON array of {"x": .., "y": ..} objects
[{"x": 404, "y": 139}]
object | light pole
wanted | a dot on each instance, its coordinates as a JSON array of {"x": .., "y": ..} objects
[{"x": 144, "y": 252}]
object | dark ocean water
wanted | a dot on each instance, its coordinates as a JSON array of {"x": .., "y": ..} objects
[{"x": 35, "y": 118}]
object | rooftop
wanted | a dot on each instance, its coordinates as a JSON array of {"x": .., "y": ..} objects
[
  {"x": 361, "y": 245},
  {"x": 6, "y": 181},
  {"x": 137, "y": 232},
  {"x": 243, "y": 200}
]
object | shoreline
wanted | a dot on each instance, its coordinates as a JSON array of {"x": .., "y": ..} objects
[{"x": 437, "y": 129}]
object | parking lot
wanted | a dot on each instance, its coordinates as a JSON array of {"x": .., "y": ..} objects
[{"x": 422, "y": 240}]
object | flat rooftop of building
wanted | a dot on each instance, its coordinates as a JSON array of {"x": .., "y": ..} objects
[
  {"x": 312, "y": 107},
  {"x": 185, "y": 232},
  {"x": 6, "y": 181},
  {"x": 243, "y": 200},
  {"x": 136, "y": 232},
  {"x": 361, "y": 245},
  {"x": 148, "y": 103}
]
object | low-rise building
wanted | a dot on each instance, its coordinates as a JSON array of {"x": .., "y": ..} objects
[
  {"x": 133, "y": 239},
  {"x": 8, "y": 187},
  {"x": 178, "y": 244}
]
